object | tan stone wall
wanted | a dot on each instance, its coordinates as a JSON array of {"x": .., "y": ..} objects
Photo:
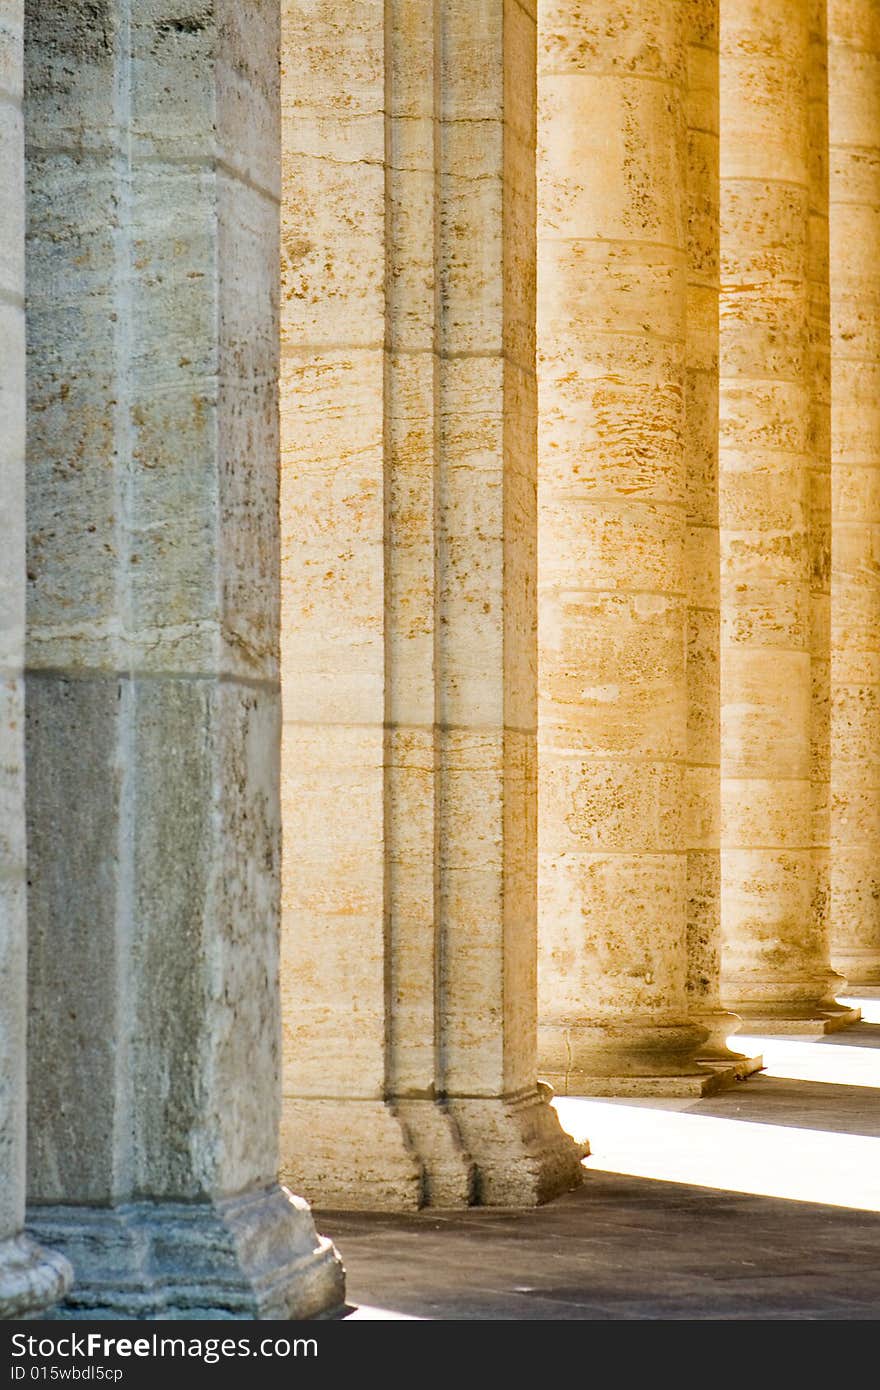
[{"x": 854, "y": 69}]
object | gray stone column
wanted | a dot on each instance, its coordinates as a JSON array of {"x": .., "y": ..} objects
[
  {"x": 153, "y": 705},
  {"x": 31, "y": 1279}
]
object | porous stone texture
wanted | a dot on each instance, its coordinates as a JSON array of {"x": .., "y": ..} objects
[
  {"x": 703, "y": 771},
  {"x": 628, "y": 723},
  {"x": 408, "y": 608},
  {"x": 153, "y": 705},
  {"x": 31, "y": 1279},
  {"x": 854, "y": 115},
  {"x": 775, "y": 542},
  {"x": 251, "y": 1256}
]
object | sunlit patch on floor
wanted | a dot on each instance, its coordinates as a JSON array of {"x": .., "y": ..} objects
[
  {"x": 677, "y": 1141},
  {"x": 363, "y": 1312}
]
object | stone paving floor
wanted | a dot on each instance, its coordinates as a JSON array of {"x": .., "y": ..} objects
[{"x": 760, "y": 1203}]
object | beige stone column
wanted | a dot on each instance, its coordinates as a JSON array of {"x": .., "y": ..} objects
[
  {"x": 31, "y": 1279},
  {"x": 703, "y": 775},
  {"x": 627, "y": 631},
  {"x": 153, "y": 703},
  {"x": 408, "y": 427},
  {"x": 774, "y": 518},
  {"x": 854, "y": 80}
]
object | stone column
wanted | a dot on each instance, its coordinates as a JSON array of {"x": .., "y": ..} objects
[
  {"x": 854, "y": 73},
  {"x": 31, "y": 1279},
  {"x": 625, "y": 297},
  {"x": 153, "y": 705},
  {"x": 703, "y": 776},
  {"x": 408, "y": 425},
  {"x": 774, "y": 477}
]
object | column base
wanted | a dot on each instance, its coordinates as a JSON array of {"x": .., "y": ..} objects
[
  {"x": 858, "y": 968},
  {"x": 814, "y": 1024},
  {"x": 253, "y": 1256},
  {"x": 521, "y": 1153},
  {"x": 448, "y": 1172},
  {"x": 32, "y": 1280},
  {"x": 371, "y": 1155},
  {"x": 738, "y": 1064},
  {"x": 716, "y": 1052},
  {"x": 633, "y": 1057},
  {"x": 684, "y": 1085}
]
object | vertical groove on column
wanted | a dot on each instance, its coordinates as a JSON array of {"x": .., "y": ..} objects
[
  {"x": 854, "y": 62},
  {"x": 124, "y": 447},
  {"x": 413, "y": 561},
  {"x": 702, "y": 570},
  {"x": 818, "y": 366}
]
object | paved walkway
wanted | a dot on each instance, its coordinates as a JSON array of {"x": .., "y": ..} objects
[{"x": 763, "y": 1202}]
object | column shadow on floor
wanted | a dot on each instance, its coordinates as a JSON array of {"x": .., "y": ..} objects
[
  {"x": 828, "y": 1107},
  {"x": 620, "y": 1248}
]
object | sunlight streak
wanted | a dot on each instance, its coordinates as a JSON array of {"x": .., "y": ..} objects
[
  {"x": 677, "y": 1141},
  {"x": 805, "y": 1165}
]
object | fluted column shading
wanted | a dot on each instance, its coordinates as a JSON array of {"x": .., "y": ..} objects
[
  {"x": 621, "y": 797},
  {"x": 854, "y": 117},
  {"x": 31, "y": 1279},
  {"x": 408, "y": 608},
  {"x": 703, "y": 776},
  {"x": 153, "y": 706},
  {"x": 774, "y": 513}
]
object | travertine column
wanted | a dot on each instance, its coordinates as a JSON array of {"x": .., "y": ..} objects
[
  {"x": 703, "y": 777},
  {"x": 31, "y": 1279},
  {"x": 621, "y": 797},
  {"x": 774, "y": 511},
  {"x": 408, "y": 422},
  {"x": 153, "y": 719},
  {"x": 854, "y": 80}
]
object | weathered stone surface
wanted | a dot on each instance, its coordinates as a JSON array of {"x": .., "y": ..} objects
[
  {"x": 627, "y": 535},
  {"x": 31, "y": 1279},
  {"x": 775, "y": 497},
  {"x": 703, "y": 777},
  {"x": 153, "y": 702},
  {"x": 247, "y": 1256},
  {"x": 854, "y": 113},
  {"x": 408, "y": 628}
]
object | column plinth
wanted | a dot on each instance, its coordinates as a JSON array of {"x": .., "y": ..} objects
[
  {"x": 254, "y": 1256},
  {"x": 32, "y": 1278}
]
